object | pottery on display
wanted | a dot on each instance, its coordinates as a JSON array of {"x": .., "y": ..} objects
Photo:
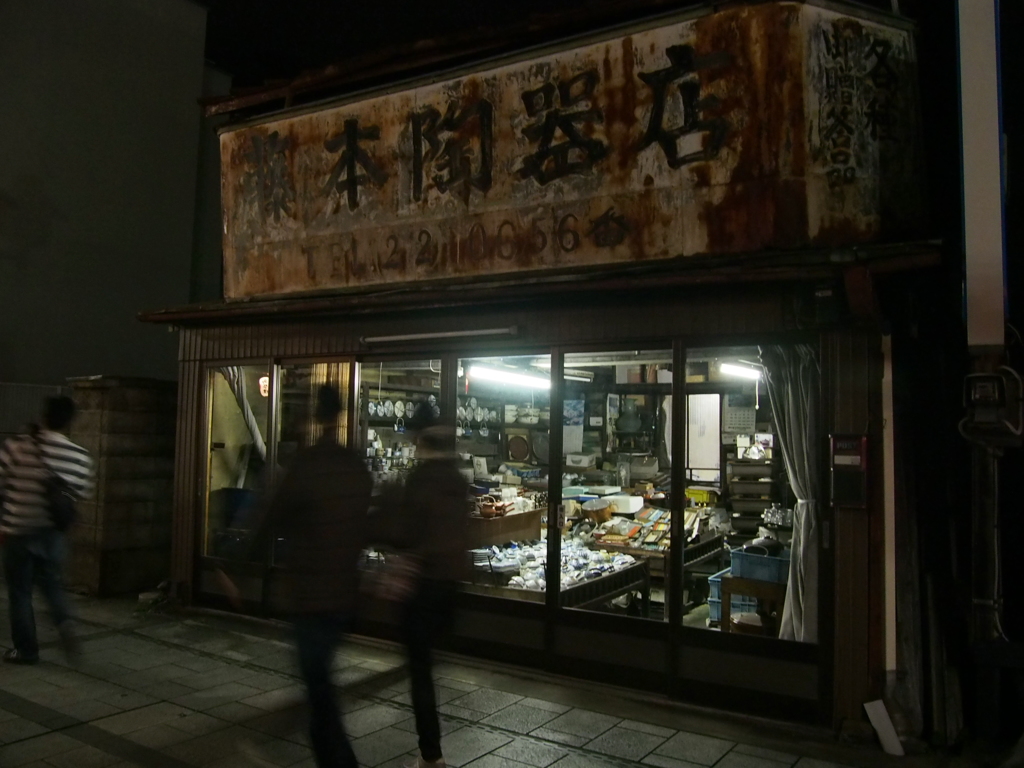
[{"x": 629, "y": 419}]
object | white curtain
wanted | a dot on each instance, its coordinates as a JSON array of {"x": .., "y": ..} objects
[{"x": 793, "y": 375}]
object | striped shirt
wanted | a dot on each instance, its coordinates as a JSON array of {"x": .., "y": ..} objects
[{"x": 25, "y": 463}]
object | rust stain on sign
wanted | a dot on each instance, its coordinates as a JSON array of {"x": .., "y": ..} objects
[{"x": 778, "y": 125}]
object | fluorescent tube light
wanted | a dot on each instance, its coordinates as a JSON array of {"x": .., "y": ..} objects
[
  {"x": 508, "y": 377},
  {"x": 740, "y": 370}
]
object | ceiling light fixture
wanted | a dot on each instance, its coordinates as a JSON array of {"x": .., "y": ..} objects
[
  {"x": 741, "y": 371},
  {"x": 508, "y": 377}
]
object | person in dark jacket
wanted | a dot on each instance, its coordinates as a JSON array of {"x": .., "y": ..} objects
[
  {"x": 434, "y": 518},
  {"x": 320, "y": 509}
]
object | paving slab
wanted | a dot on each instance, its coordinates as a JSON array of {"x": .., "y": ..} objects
[
  {"x": 519, "y": 718},
  {"x": 136, "y": 719},
  {"x": 661, "y": 761},
  {"x": 373, "y": 718},
  {"x": 626, "y": 743},
  {"x": 37, "y": 748},
  {"x": 486, "y": 700},
  {"x": 742, "y": 760},
  {"x": 769, "y": 754},
  {"x": 581, "y": 722},
  {"x": 531, "y": 752},
  {"x": 447, "y": 725},
  {"x": 695, "y": 748},
  {"x": 383, "y": 745},
  {"x": 559, "y": 737},
  {"x": 467, "y": 744},
  {"x": 450, "y": 709}
]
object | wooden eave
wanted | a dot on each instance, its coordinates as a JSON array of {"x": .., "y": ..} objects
[{"x": 653, "y": 276}]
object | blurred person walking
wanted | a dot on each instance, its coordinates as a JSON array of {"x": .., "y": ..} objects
[
  {"x": 320, "y": 509},
  {"x": 32, "y": 468},
  {"x": 434, "y": 541}
]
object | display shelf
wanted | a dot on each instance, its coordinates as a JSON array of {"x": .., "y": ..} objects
[{"x": 377, "y": 421}]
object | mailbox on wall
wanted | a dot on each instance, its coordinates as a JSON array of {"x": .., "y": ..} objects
[{"x": 849, "y": 463}]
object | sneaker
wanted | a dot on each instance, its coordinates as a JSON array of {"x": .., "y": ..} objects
[{"x": 14, "y": 656}]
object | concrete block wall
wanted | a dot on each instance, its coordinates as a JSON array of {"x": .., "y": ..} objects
[{"x": 122, "y": 542}]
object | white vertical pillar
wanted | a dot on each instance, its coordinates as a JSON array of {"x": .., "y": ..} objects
[{"x": 981, "y": 124}]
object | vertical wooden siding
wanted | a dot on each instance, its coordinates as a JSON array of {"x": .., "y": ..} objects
[
  {"x": 852, "y": 363},
  {"x": 188, "y": 477}
]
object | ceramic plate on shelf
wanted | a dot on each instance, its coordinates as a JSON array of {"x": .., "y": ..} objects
[
  {"x": 461, "y": 412},
  {"x": 472, "y": 402},
  {"x": 372, "y": 408},
  {"x": 478, "y": 414},
  {"x": 389, "y": 409},
  {"x": 518, "y": 448},
  {"x": 399, "y": 408},
  {"x": 541, "y": 447}
]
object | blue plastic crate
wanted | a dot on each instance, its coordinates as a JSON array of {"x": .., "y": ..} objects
[
  {"x": 740, "y": 604},
  {"x": 760, "y": 567},
  {"x": 715, "y": 583}
]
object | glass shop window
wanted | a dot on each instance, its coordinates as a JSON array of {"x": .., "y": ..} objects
[
  {"x": 739, "y": 497},
  {"x": 296, "y": 396},
  {"x": 297, "y": 427},
  {"x": 237, "y": 458},
  {"x": 389, "y": 392},
  {"x": 503, "y": 428},
  {"x": 617, "y": 441}
]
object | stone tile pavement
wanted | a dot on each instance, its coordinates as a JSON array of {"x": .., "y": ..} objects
[{"x": 207, "y": 689}]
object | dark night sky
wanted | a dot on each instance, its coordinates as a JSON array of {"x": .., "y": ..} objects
[{"x": 257, "y": 40}]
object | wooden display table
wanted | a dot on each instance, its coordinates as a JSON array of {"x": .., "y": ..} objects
[
  {"x": 488, "y": 531},
  {"x": 585, "y": 594},
  {"x": 770, "y": 595},
  {"x": 693, "y": 555}
]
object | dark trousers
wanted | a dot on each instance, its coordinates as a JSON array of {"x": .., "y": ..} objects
[
  {"x": 317, "y": 637},
  {"x": 27, "y": 559},
  {"x": 426, "y": 615}
]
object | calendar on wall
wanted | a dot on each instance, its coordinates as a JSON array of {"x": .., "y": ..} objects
[{"x": 739, "y": 415}]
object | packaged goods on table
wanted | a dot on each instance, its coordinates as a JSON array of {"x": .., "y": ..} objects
[
  {"x": 526, "y": 563},
  {"x": 579, "y": 563}
]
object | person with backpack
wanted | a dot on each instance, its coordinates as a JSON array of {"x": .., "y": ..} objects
[{"x": 42, "y": 474}]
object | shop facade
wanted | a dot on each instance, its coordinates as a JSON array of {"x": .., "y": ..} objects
[{"x": 635, "y": 278}]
